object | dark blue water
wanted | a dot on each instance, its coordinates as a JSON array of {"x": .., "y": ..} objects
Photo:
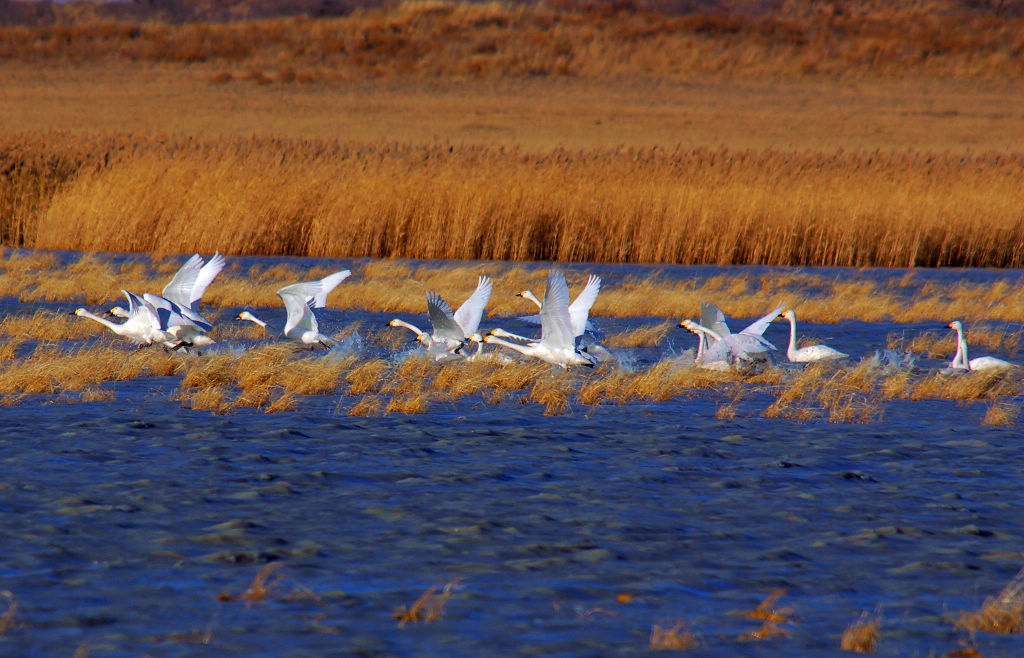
[{"x": 123, "y": 522}]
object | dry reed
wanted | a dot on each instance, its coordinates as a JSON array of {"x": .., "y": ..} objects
[
  {"x": 677, "y": 637},
  {"x": 861, "y": 636},
  {"x": 604, "y": 205},
  {"x": 1002, "y": 613},
  {"x": 429, "y": 607}
]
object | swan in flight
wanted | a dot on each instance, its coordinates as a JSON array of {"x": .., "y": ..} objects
[
  {"x": 960, "y": 360},
  {"x": 809, "y": 353},
  {"x": 183, "y": 295},
  {"x": 557, "y": 343},
  {"x": 142, "y": 326},
  {"x": 579, "y": 309},
  {"x": 299, "y": 301},
  {"x": 450, "y": 331}
]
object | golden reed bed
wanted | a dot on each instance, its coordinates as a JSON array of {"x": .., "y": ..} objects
[{"x": 681, "y": 205}]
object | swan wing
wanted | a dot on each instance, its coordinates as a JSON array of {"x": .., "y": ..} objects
[
  {"x": 579, "y": 310},
  {"x": 178, "y": 315},
  {"x": 297, "y": 297},
  {"x": 203, "y": 279},
  {"x": 472, "y": 310},
  {"x": 178, "y": 288},
  {"x": 757, "y": 328},
  {"x": 442, "y": 319},
  {"x": 555, "y": 322},
  {"x": 712, "y": 317},
  {"x": 529, "y": 319},
  {"x": 327, "y": 284}
]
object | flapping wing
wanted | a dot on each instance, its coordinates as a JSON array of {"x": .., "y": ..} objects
[
  {"x": 178, "y": 315},
  {"x": 203, "y": 279},
  {"x": 555, "y": 323},
  {"x": 579, "y": 310},
  {"x": 179, "y": 287},
  {"x": 757, "y": 328},
  {"x": 712, "y": 317},
  {"x": 327, "y": 284},
  {"x": 297, "y": 299},
  {"x": 442, "y": 318},
  {"x": 472, "y": 310}
]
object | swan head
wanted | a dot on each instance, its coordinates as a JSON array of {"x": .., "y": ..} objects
[
  {"x": 788, "y": 314},
  {"x": 955, "y": 325},
  {"x": 118, "y": 312},
  {"x": 393, "y": 323},
  {"x": 489, "y": 338},
  {"x": 246, "y": 315},
  {"x": 80, "y": 311},
  {"x": 475, "y": 338}
]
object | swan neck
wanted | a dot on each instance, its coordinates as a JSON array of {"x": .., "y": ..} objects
[
  {"x": 533, "y": 298},
  {"x": 113, "y": 326},
  {"x": 792, "y": 334}
]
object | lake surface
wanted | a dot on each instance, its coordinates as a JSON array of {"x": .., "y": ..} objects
[{"x": 132, "y": 525}]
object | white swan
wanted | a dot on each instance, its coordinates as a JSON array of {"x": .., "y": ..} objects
[
  {"x": 299, "y": 301},
  {"x": 579, "y": 309},
  {"x": 142, "y": 326},
  {"x": 183, "y": 295},
  {"x": 186, "y": 325},
  {"x": 451, "y": 331},
  {"x": 960, "y": 359},
  {"x": 557, "y": 343},
  {"x": 747, "y": 345},
  {"x": 421, "y": 336},
  {"x": 809, "y": 353}
]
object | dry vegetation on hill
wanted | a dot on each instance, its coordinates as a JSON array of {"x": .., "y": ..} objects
[
  {"x": 594, "y": 40},
  {"x": 185, "y": 187}
]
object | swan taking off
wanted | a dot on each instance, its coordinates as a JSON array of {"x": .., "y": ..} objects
[
  {"x": 299, "y": 301},
  {"x": 579, "y": 309},
  {"x": 182, "y": 295},
  {"x": 747, "y": 345},
  {"x": 557, "y": 343},
  {"x": 143, "y": 326},
  {"x": 810, "y": 353},
  {"x": 451, "y": 331},
  {"x": 960, "y": 360}
]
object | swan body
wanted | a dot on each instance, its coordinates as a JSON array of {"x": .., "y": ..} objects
[
  {"x": 579, "y": 309},
  {"x": 810, "y": 353},
  {"x": 299, "y": 301},
  {"x": 961, "y": 360},
  {"x": 450, "y": 331},
  {"x": 142, "y": 326},
  {"x": 557, "y": 343}
]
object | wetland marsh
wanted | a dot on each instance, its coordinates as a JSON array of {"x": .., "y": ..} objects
[{"x": 572, "y": 512}]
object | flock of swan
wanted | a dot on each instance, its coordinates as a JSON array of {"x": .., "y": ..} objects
[{"x": 567, "y": 336}]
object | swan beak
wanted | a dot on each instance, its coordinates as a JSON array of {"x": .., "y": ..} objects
[
  {"x": 683, "y": 323},
  {"x": 519, "y": 294},
  {"x": 391, "y": 324}
]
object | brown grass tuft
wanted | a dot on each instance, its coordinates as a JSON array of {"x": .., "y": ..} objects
[
  {"x": 861, "y": 636},
  {"x": 7, "y": 619},
  {"x": 677, "y": 637},
  {"x": 429, "y": 607},
  {"x": 648, "y": 336},
  {"x": 1002, "y": 613},
  {"x": 1001, "y": 414},
  {"x": 367, "y": 377},
  {"x": 414, "y": 403},
  {"x": 371, "y": 405},
  {"x": 553, "y": 392},
  {"x": 262, "y": 585}
]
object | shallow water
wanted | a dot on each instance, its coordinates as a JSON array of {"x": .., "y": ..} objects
[{"x": 123, "y": 521}]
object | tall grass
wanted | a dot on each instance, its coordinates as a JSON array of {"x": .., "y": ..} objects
[{"x": 681, "y": 205}]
